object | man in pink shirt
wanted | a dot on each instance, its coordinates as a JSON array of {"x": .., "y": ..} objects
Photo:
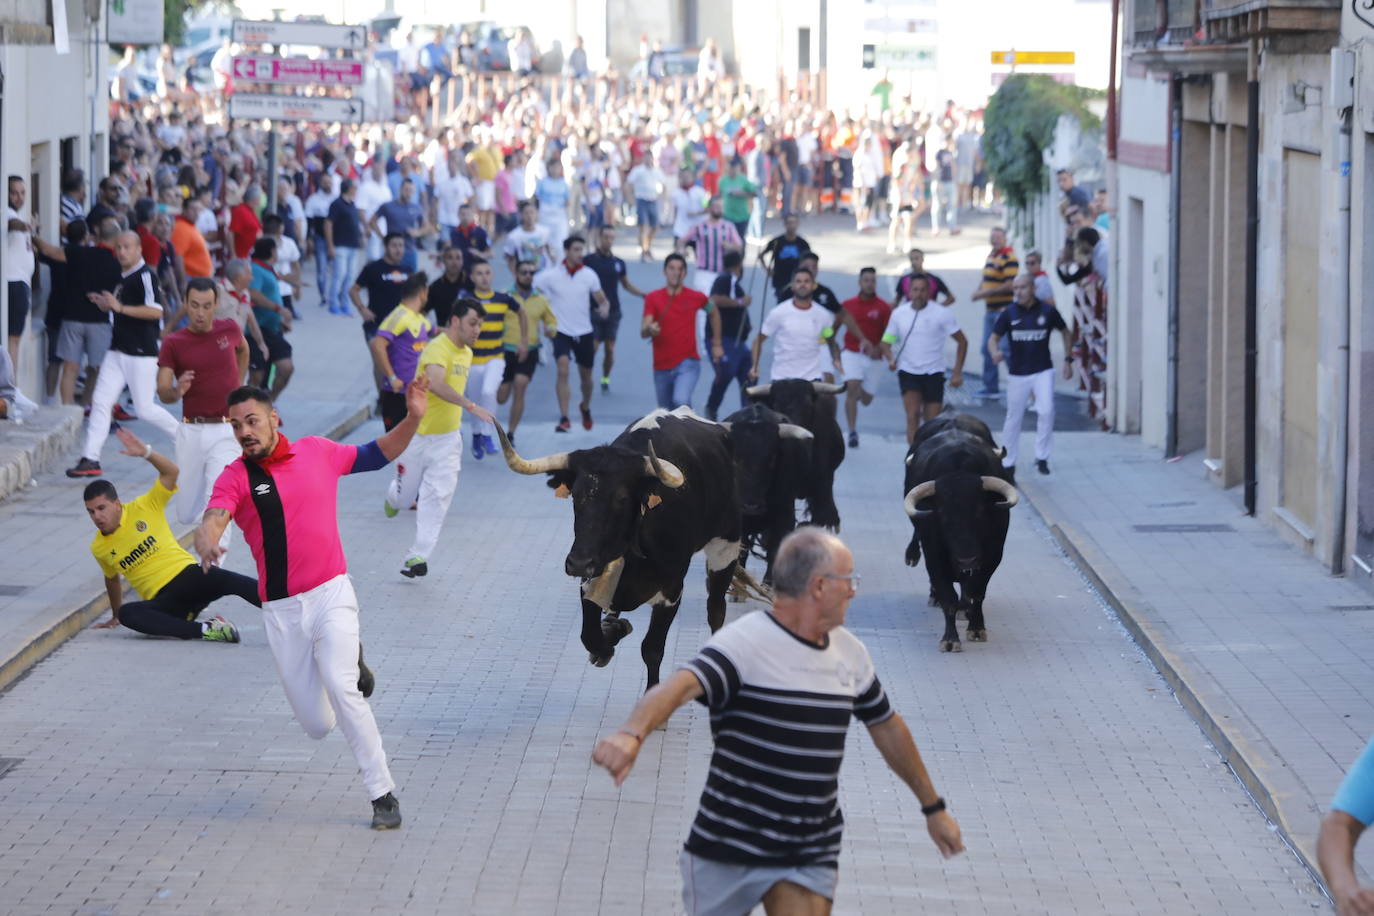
[{"x": 284, "y": 497}]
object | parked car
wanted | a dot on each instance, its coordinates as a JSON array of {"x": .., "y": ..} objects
[{"x": 490, "y": 40}]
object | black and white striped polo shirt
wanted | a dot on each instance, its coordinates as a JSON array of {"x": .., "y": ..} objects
[{"x": 780, "y": 708}]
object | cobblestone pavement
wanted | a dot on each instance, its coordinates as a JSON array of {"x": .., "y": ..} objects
[{"x": 159, "y": 777}]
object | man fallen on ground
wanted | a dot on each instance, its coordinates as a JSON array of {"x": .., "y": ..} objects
[{"x": 133, "y": 539}]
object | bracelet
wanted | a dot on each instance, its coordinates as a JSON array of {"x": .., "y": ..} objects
[
  {"x": 147, "y": 451},
  {"x": 635, "y": 735},
  {"x": 936, "y": 808}
]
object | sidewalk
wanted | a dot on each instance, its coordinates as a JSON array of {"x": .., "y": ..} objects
[
  {"x": 1269, "y": 653},
  {"x": 33, "y": 445},
  {"x": 50, "y": 588}
]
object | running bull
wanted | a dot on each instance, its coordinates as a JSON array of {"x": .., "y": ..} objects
[
  {"x": 642, "y": 507},
  {"x": 811, "y": 405},
  {"x": 772, "y": 468},
  {"x": 958, "y": 498}
]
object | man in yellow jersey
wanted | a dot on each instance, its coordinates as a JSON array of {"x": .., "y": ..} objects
[
  {"x": 401, "y": 337},
  {"x": 134, "y": 539},
  {"x": 488, "y": 353},
  {"x": 427, "y": 471},
  {"x": 523, "y": 328}
]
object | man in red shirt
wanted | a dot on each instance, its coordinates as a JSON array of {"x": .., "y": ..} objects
[
  {"x": 670, "y": 321},
  {"x": 244, "y": 227},
  {"x": 199, "y": 365},
  {"x": 145, "y": 213},
  {"x": 863, "y": 362}
]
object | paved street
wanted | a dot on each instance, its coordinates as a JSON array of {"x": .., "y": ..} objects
[{"x": 159, "y": 777}]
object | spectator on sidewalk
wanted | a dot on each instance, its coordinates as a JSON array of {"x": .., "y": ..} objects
[
  {"x": 343, "y": 238},
  {"x": 944, "y": 196},
  {"x": 731, "y": 302},
  {"x": 522, "y": 342},
  {"x": 670, "y": 321},
  {"x": 287, "y": 264},
  {"x": 86, "y": 329},
  {"x": 396, "y": 348},
  {"x": 1352, "y": 810},
  {"x": 9, "y": 392},
  {"x": 995, "y": 292},
  {"x": 19, "y": 263},
  {"x": 1027, "y": 324},
  {"x": 273, "y": 320},
  {"x": 373, "y": 191},
  {"x": 404, "y": 217},
  {"x": 762, "y": 834},
  {"x": 863, "y": 361},
  {"x": 1074, "y": 195},
  {"x": 1044, "y": 289},
  {"x": 914, "y": 345},
  {"x": 316, "y": 215},
  {"x": 134, "y": 540},
  {"x": 244, "y": 228},
  {"x": 190, "y": 243}
]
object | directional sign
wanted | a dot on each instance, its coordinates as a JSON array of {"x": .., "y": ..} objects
[
  {"x": 1014, "y": 58},
  {"x": 898, "y": 57},
  {"x": 298, "y": 71},
  {"x": 323, "y": 34},
  {"x": 319, "y": 108}
]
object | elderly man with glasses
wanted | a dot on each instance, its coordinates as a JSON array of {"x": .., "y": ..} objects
[{"x": 781, "y": 686}]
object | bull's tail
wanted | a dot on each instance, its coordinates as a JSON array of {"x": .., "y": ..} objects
[{"x": 744, "y": 586}]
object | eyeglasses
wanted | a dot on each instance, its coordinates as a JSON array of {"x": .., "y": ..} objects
[{"x": 853, "y": 579}]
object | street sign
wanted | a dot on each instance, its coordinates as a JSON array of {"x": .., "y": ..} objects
[
  {"x": 1017, "y": 58},
  {"x": 322, "y": 34},
  {"x": 298, "y": 71},
  {"x": 898, "y": 57},
  {"x": 133, "y": 22},
  {"x": 319, "y": 108}
]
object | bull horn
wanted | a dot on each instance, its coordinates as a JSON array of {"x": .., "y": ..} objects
[
  {"x": 727, "y": 424},
  {"x": 827, "y": 388},
  {"x": 1008, "y": 493},
  {"x": 666, "y": 472},
  {"x": 919, "y": 492},
  {"x": 758, "y": 391},
  {"x": 793, "y": 431},
  {"x": 519, "y": 465}
]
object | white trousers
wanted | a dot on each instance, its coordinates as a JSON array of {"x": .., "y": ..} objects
[
  {"x": 426, "y": 476},
  {"x": 203, "y": 451},
  {"x": 483, "y": 381},
  {"x": 116, "y": 371},
  {"x": 556, "y": 222},
  {"x": 314, "y": 640},
  {"x": 1019, "y": 389}
]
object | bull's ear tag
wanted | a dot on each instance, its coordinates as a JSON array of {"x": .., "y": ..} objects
[
  {"x": 562, "y": 491},
  {"x": 654, "y": 500}
]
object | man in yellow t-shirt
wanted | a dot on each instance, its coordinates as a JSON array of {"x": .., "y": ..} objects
[
  {"x": 484, "y": 163},
  {"x": 133, "y": 539},
  {"x": 522, "y": 334},
  {"x": 427, "y": 471}
]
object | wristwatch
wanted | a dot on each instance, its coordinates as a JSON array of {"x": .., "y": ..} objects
[{"x": 936, "y": 808}]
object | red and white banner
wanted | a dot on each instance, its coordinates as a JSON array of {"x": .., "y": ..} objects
[{"x": 298, "y": 71}]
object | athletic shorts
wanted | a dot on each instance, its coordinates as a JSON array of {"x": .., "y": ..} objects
[
  {"x": 859, "y": 368},
  {"x": 722, "y": 889},
  {"x": 517, "y": 366},
  {"x": 277, "y": 350},
  {"x": 605, "y": 328},
  {"x": 20, "y": 296},
  {"x": 646, "y": 212},
  {"x": 486, "y": 195},
  {"x": 391, "y": 406},
  {"x": 90, "y": 339},
  {"x": 582, "y": 349},
  {"x": 931, "y": 387}
]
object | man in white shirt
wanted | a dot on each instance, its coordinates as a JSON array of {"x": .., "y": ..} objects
[
  {"x": 529, "y": 241},
  {"x": 316, "y": 212},
  {"x": 451, "y": 190},
  {"x": 914, "y": 345},
  {"x": 689, "y": 205},
  {"x": 797, "y": 325},
  {"x": 373, "y": 191},
  {"x": 19, "y": 263},
  {"x": 646, "y": 182},
  {"x": 570, "y": 287}
]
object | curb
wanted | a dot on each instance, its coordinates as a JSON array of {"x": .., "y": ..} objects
[
  {"x": 44, "y": 643},
  {"x": 32, "y": 447},
  {"x": 1270, "y": 783}
]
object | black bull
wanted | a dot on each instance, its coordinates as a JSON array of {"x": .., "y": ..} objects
[
  {"x": 772, "y": 469},
  {"x": 958, "y": 498},
  {"x": 642, "y": 507},
  {"x": 811, "y": 405}
]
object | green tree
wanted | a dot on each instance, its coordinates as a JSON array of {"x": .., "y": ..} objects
[{"x": 1018, "y": 127}]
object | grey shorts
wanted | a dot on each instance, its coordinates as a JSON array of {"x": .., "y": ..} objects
[
  {"x": 721, "y": 889},
  {"x": 83, "y": 338}
]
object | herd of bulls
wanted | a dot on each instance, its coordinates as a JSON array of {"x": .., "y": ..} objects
[{"x": 674, "y": 484}]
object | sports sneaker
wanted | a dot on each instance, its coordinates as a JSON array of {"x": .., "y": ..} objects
[
  {"x": 366, "y": 681},
  {"x": 388, "y": 509},
  {"x": 1042, "y": 466},
  {"x": 586, "y": 416},
  {"x": 563, "y": 426},
  {"x": 477, "y": 451},
  {"x": 386, "y": 812},
  {"x": 119, "y": 413},
  {"x": 415, "y": 568},
  {"x": 605, "y": 384},
  {"x": 853, "y": 439},
  {"x": 489, "y": 444},
  {"x": 85, "y": 468},
  {"x": 217, "y": 629}
]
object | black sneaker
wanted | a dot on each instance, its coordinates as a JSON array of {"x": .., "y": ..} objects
[
  {"x": 853, "y": 439},
  {"x": 415, "y": 568},
  {"x": 85, "y": 468},
  {"x": 564, "y": 424},
  {"x": 366, "y": 681},
  {"x": 386, "y": 812},
  {"x": 1042, "y": 466}
]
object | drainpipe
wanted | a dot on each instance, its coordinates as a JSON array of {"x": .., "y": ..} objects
[
  {"x": 1251, "y": 277},
  {"x": 1342, "y": 97},
  {"x": 1111, "y": 86},
  {"x": 1175, "y": 205}
]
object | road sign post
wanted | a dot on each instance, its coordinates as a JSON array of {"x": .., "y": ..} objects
[{"x": 318, "y": 108}]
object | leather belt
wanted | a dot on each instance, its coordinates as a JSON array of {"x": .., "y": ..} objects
[{"x": 200, "y": 420}]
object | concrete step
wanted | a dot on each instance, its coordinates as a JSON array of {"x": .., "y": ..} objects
[{"x": 31, "y": 446}]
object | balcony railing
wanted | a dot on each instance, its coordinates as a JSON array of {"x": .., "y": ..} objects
[{"x": 1170, "y": 22}]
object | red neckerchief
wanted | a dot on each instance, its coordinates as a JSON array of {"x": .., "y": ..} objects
[
  {"x": 265, "y": 266},
  {"x": 1002, "y": 251},
  {"x": 280, "y": 452},
  {"x": 1038, "y": 273},
  {"x": 572, "y": 271}
]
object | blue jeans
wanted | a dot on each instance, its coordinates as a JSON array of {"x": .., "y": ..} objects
[
  {"x": 989, "y": 367},
  {"x": 756, "y": 216},
  {"x": 341, "y": 278},
  {"x": 734, "y": 366},
  {"x": 674, "y": 386},
  {"x": 411, "y": 259},
  {"x": 323, "y": 267}
]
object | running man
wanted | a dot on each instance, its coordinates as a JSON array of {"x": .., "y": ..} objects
[
  {"x": 134, "y": 539},
  {"x": 611, "y": 271},
  {"x": 801, "y": 328},
  {"x": 914, "y": 345},
  {"x": 401, "y": 337},
  {"x": 489, "y": 352},
  {"x": 781, "y": 687},
  {"x": 534, "y": 309},
  {"x": 863, "y": 362},
  {"x": 571, "y": 288},
  {"x": 939, "y": 292},
  {"x": 284, "y": 497},
  {"x": 427, "y": 472}
]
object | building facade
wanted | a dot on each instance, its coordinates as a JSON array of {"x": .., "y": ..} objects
[{"x": 1246, "y": 133}]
